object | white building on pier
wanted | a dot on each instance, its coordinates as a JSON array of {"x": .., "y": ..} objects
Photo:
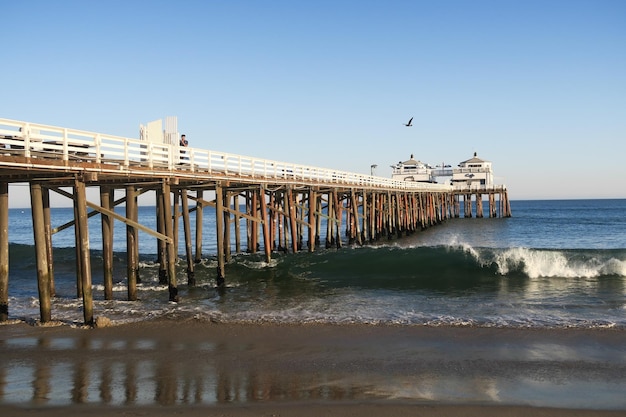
[
  {"x": 473, "y": 173},
  {"x": 412, "y": 170}
]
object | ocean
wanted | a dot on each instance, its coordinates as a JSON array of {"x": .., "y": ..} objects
[{"x": 554, "y": 264}]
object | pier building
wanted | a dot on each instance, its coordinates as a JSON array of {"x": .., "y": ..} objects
[
  {"x": 287, "y": 206},
  {"x": 474, "y": 173},
  {"x": 412, "y": 170}
]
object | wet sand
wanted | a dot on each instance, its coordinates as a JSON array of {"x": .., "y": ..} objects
[
  {"x": 311, "y": 410},
  {"x": 193, "y": 368}
]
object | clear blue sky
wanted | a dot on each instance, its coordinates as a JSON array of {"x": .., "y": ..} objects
[{"x": 536, "y": 87}]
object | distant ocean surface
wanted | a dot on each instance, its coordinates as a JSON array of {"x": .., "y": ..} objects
[{"x": 554, "y": 264}]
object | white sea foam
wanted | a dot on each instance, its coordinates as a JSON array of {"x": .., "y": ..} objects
[
  {"x": 546, "y": 263},
  {"x": 614, "y": 267}
]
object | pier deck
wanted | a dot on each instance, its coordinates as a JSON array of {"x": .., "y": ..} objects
[{"x": 285, "y": 203}]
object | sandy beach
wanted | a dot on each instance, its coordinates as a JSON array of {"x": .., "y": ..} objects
[
  {"x": 311, "y": 410},
  {"x": 195, "y": 368}
]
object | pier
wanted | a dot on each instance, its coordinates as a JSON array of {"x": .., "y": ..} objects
[{"x": 288, "y": 207}]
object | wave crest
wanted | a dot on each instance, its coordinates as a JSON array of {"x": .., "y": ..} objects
[{"x": 536, "y": 263}]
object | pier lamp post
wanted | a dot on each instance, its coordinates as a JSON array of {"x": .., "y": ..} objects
[{"x": 372, "y": 169}]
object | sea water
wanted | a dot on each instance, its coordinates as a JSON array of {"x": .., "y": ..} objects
[{"x": 554, "y": 264}]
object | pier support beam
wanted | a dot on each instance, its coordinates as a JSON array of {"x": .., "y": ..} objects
[
  {"x": 354, "y": 204},
  {"x": 272, "y": 216},
  {"x": 78, "y": 257},
  {"x": 267, "y": 246},
  {"x": 175, "y": 222},
  {"x": 492, "y": 205},
  {"x": 83, "y": 232},
  {"x": 191, "y": 279},
  {"x": 170, "y": 251},
  {"x": 45, "y": 194},
  {"x": 337, "y": 207},
  {"x": 237, "y": 220},
  {"x": 106, "y": 201},
  {"x": 506, "y": 204},
  {"x": 43, "y": 281},
  {"x": 312, "y": 219},
  {"x": 132, "y": 257},
  {"x": 219, "y": 226},
  {"x": 467, "y": 206},
  {"x": 4, "y": 251},
  {"x": 161, "y": 244},
  {"x": 291, "y": 206},
  {"x": 226, "y": 204},
  {"x": 253, "y": 227},
  {"x": 199, "y": 219}
]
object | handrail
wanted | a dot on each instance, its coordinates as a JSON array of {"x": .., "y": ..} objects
[
  {"x": 472, "y": 187},
  {"x": 38, "y": 140}
]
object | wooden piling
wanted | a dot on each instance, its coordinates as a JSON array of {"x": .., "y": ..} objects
[
  {"x": 380, "y": 215},
  {"x": 388, "y": 211},
  {"x": 337, "y": 206},
  {"x": 291, "y": 203},
  {"x": 237, "y": 223},
  {"x": 175, "y": 221},
  {"x": 219, "y": 226},
  {"x": 265, "y": 224},
  {"x": 283, "y": 227},
  {"x": 318, "y": 217},
  {"x": 199, "y": 220},
  {"x": 372, "y": 216},
  {"x": 397, "y": 215},
  {"x": 161, "y": 244},
  {"x": 45, "y": 194},
  {"x": 191, "y": 279},
  {"x": 248, "y": 211},
  {"x": 83, "y": 230},
  {"x": 4, "y": 251},
  {"x": 272, "y": 215},
  {"x": 43, "y": 282},
  {"x": 330, "y": 220},
  {"x": 507, "y": 203},
  {"x": 106, "y": 201},
  {"x": 172, "y": 282},
  {"x": 77, "y": 258},
  {"x": 467, "y": 199},
  {"x": 132, "y": 257},
  {"x": 227, "y": 251},
  {"x": 479, "y": 205},
  {"x": 355, "y": 213},
  {"x": 300, "y": 217},
  {"x": 312, "y": 219}
]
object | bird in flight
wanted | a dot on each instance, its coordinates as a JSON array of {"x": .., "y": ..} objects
[{"x": 409, "y": 124}]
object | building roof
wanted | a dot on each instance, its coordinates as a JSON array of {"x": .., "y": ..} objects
[
  {"x": 474, "y": 160},
  {"x": 412, "y": 161}
]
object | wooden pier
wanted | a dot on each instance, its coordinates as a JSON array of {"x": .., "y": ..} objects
[{"x": 284, "y": 204}]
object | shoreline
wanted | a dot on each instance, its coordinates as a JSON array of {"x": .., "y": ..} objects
[
  {"x": 164, "y": 367},
  {"x": 312, "y": 410}
]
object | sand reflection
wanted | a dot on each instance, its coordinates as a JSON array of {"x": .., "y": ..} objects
[{"x": 49, "y": 370}]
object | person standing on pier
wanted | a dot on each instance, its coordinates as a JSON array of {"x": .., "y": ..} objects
[{"x": 184, "y": 143}]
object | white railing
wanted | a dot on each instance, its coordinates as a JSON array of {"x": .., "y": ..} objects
[
  {"x": 474, "y": 187},
  {"x": 34, "y": 140}
]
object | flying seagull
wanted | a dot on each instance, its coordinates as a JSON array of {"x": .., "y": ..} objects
[{"x": 409, "y": 124}]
